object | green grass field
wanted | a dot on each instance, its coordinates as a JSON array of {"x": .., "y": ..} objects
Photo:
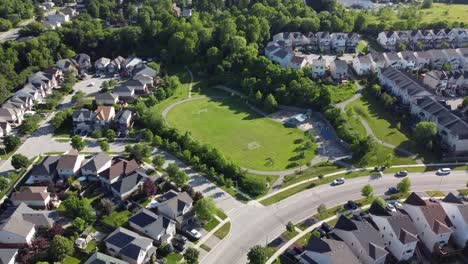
[
  {"x": 248, "y": 139},
  {"x": 451, "y": 13}
]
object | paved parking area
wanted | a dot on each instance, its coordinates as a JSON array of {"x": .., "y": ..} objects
[{"x": 92, "y": 85}]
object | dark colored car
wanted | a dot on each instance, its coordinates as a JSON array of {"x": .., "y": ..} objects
[
  {"x": 379, "y": 168},
  {"x": 351, "y": 205},
  {"x": 326, "y": 227},
  {"x": 401, "y": 174},
  {"x": 392, "y": 190}
]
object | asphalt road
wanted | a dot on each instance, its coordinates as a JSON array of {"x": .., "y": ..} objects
[{"x": 253, "y": 224}]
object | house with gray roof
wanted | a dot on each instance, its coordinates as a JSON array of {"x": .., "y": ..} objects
[
  {"x": 96, "y": 164},
  {"x": 69, "y": 164},
  {"x": 18, "y": 225},
  {"x": 129, "y": 184},
  {"x": 327, "y": 250},
  {"x": 118, "y": 169},
  {"x": 363, "y": 239},
  {"x": 463, "y": 52},
  {"x": 67, "y": 65},
  {"x": 158, "y": 227},
  {"x": 438, "y": 58},
  {"x": 433, "y": 225},
  {"x": 129, "y": 246},
  {"x": 124, "y": 120},
  {"x": 45, "y": 171},
  {"x": 339, "y": 70},
  {"x": 115, "y": 65},
  {"x": 402, "y": 85},
  {"x": 106, "y": 99},
  {"x": 101, "y": 258},
  {"x": 397, "y": 230},
  {"x": 101, "y": 64},
  {"x": 83, "y": 61},
  {"x": 11, "y": 115},
  {"x": 363, "y": 64},
  {"x": 407, "y": 60},
  {"x": 8, "y": 255},
  {"x": 83, "y": 121},
  {"x": 457, "y": 209},
  {"x": 176, "y": 206}
]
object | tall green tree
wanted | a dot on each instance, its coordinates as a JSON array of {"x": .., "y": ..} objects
[
  {"x": 205, "y": 209},
  {"x": 19, "y": 161},
  {"x": 425, "y": 132},
  {"x": 191, "y": 255},
  {"x": 77, "y": 143},
  {"x": 60, "y": 247},
  {"x": 367, "y": 191},
  {"x": 257, "y": 255},
  {"x": 404, "y": 185}
]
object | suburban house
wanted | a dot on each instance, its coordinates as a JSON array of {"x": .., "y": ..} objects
[
  {"x": 139, "y": 87},
  {"x": 339, "y": 70},
  {"x": 8, "y": 255},
  {"x": 158, "y": 227},
  {"x": 438, "y": 58},
  {"x": 69, "y": 164},
  {"x": 127, "y": 185},
  {"x": 100, "y": 258},
  {"x": 437, "y": 80},
  {"x": 397, "y": 230},
  {"x": 32, "y": 91},
  {"x": 129, "y": 64},
  {"x": 71, "y": 12},
  {"x": 379, "y": 61},
  {"x": 402, "y": 85},
  {"x": 119, "y": 168},
  {"x": 103, "y": 116},
  {"x": 32, "y": 196},
  {"x": 363, "y": 239},
  {"x": 433, "y": 225},
  {"x": 67, "y": 65},
  {"x": 176, "y": 206},
  {"x": 83, "y": 61},
  {"x": 18, "y": 225},
  {"x": 363, "y": 65},
  {"x": 106, "y": 99},
  {"x": 319, "y": 67},
  {"x": 282, "y": 57},
  {"x": 129, "y": 246},
  {"x": 101, "y": 64},
  {"x": 11, "y": 115},
  {"x": 298, "y": 62},
  {"x": 143, "y": 70},
  {"x": 392, "y": 59},
  {"x": 388, "y": 39},
  {"x": 125, "y": 93},
  {"x": 5, "y": 128},
  {"x": 58, "y": 17},
  {"x": 115, "y": 65},
  {"x": 45, "y": 171},
  {"x": 324, "y": 41},
  {"x": 327, "y": 250},
  {"x": 408, "y": 60},
  {"x": 83, "y": 120},
  {"x": 452, "y": 130},
  {"x": 338, "y": 42},
  {"x": 96, "y": 164},
  {"x": 453, "y": 58},
  {"x": 463, "y": 52},
  {"x": 124, "y": 120},
  {"x": 456, "y": 37},
  {"x": 423, "y": 59},
  {"x": 457, "y": 210}
]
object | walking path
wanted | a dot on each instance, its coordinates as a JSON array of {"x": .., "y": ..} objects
[{"x": 191, "y": 82}]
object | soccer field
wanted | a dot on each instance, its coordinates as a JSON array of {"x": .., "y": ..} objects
[{"x": 250, "y": 140}]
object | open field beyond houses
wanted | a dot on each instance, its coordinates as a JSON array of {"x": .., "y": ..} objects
[{"x": 250, "y": 140}]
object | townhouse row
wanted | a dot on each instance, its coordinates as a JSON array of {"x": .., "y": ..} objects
[
  {"x": 441, "y": 227},
  {"x": 323, "y": 42},
  {"x": 426, "y": 39},
  {"x": 409, "y": 60},
  {"x": 451, "y": 129}
]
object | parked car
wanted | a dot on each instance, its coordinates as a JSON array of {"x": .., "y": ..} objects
[
  {"x": 444, "y": 171},
  {"x": 392, "y": 190},
  {"x": 180, "y": 238},
  {"x": 401, "y": 173},
  {"x": 338, "y": 181},
  {"x": 397, "y": 204},
  {"x": 194, "y": 234},
  {"x": 321, "y": 232},
  {"x": 390, "y": 207},
  {"x": 326, "y": 227},
  {"x": 179, "y": 246},
  {"x": 351, "y": 205}
]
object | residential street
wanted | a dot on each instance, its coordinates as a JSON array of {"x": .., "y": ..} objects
[{"x": 253, "y": 224}]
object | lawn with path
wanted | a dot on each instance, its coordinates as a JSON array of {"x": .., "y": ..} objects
[{"x": 250, "y": 140}]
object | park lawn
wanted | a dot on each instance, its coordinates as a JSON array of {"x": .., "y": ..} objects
[
  {"x": 267, "y": 179},
  {"x": 70, "y": 260},
  {"x": 245, "y": 137},
  {"x": 180, "y": 93},
  {"x": 116, "y": 218},
  {"x": 312, "y": 172},
  {"x": 450, "y": 13},
  {"x": 343, "y": 92},
  {"x": 174, "y": 258},
  {"x": 223, "y": 231}
]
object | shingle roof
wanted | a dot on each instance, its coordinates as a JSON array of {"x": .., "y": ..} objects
[
  {"x": 129, "y": 243},
  {"x": 86, "y": 113},
  {"x": 333, "y": 249},
  {"x": 104, "y": 112},
  {"x": 31, "y": 193},
  {"x": 129, "y": 183},
  {"x": 105, "y": 96},
  {"x": 21, "y": 219},
  {"x": 100, "y": 258},
  {"x": 47, "y": 166},
  {"x": 96, "y": 162},
  {"x": 119, "y": 168},
  {"x": 148, "y": 220},
  {"x": 176, "y": 202},
  {"x": 7, "y": 254},
  {"x": 68, "y": 161},
  {"x": 433, "y": 212}
]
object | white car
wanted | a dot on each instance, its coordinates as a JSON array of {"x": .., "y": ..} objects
[
  {"x": 391, "y": 208},
  {"x": 194, "y": 234},
  {"x": 338, "y": 181},
  {"x": 397, "y": 205},
  {"x": 444, "y": 171}
]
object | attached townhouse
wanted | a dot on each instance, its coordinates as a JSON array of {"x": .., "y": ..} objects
[
  {"x": 319, "y": 67},
  {"x": 8, "y": 255},
  {"x": 438, "y": 59},
  {"x": 408, "y": 60},
  {"x": 388, "y": 39},
  {"x": 83, "y": 61},
  {"x": 363, "y": 238},
  {"x": 437, "y": 80},
  {"x": 402, "y": 85},
  {"x": 363, "y": 65},
  {"x": 457, "y": 210},
  {"x": 176, "y": 206},
  {"x": 453, "y": 58},
  {"x": 432, "y": 224},
  {"x": 67, "y": 65},
  {"x": 5, "y": 128},
  {"x": 392, "y": 59},
  {"x": 339, "y": 70},
  {"x": 100, "y": 258},
  {"x": 124, "y": 121},
  {"x": 463, "y": 52},
  {"x": 129, "y": 246},
  {"x": 58, "y": 17},
  {"x": 32, "y": 196},
  {"x": 397, "y": 230},
  {"x": 115, "y": 65},
  {"x": 338, "y": 42},
  {"x": 298, "y": 62},
  {"x": 327, "y": 250},
  {"x": 157, "y": 227},
  {"x": 378, "y": 60},
  {"x": 423, "y": 59},
  {"x": 103, "y": 117}
]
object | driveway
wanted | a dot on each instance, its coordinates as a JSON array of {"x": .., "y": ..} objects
[
  {"x": 92, "y": 85},
  {"x": 256, "y": 225}
]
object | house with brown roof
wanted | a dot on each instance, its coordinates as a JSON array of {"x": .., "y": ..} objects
[
  {"x": 457, "y": 209},
  {"x": 118, "y": 169},
  {"x": 104, "y": 116},
  {"x": 33, "y": 196},
  {"x": 69, "y": 164},
  {"x": 433, "y": 225}
]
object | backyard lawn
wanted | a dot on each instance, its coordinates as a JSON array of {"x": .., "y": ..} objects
[
  {"x": 250, "y": 140},
  {"x": 70, "y": 260},
  {"x": 451, "y": 13},
  {"x": 174, "y": 258},
  {"x": 117, "y": 218}
]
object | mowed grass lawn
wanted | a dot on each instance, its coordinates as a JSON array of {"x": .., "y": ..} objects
[
  {"x": 250, "y": 140},
  {"x": 451, "y": 13}
]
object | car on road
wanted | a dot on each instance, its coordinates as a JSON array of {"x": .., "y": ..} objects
[
  {"x": 444, "y": 171},
  {"x": 402, "y": 173},
  {"x": 390, "y": 207},
  {"x": 194, "y": 234},
  {"x": 392, "y": 190},
  {"x": 338, "y": 181}
]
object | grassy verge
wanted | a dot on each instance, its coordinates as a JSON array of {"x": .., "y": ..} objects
[
  {"x": 463, "y": 191},
  {"x": 221, "y": 214},
  {"x": 70, "y": 260},
  {"x": 435, "y": 193},
  {"x": 211, "y": 224},
  {"x": 288, "y": 235},
  {"x": 205, "y": 247},
  {"x": 314, "y": 171},
  {"x": 223, "y": 231}
]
